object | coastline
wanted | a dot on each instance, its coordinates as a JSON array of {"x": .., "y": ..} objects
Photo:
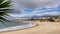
[{"x": 41, "y": 28}]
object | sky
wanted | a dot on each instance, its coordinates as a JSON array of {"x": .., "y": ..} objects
[{"x": 35, "y": 7}]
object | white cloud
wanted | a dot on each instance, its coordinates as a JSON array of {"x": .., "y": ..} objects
[
  {"x": 51, "y": 13},
  {"x": 42, "y": 10},
  {"x": 37, "y": 3},
  {"x": 40, "y": 14},
  {"x": 18, "y": 4}
]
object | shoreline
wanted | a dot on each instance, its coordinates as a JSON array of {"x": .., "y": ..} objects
[{"x": 41, "y": 28}]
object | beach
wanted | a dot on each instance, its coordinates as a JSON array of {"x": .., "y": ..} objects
[{"x": 40, "y": 28}]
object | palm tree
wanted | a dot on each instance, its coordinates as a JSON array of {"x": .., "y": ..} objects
[{"x": 4, "y": 10}]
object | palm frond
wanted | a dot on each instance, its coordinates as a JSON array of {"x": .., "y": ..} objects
[
  {"x": 5, "y": 4},
  {"x": 1, "y": 1},
  {"x": 4, "y": 9},
  {"x": 2, "y": 20},
  {"x": 4, "y": 12}
]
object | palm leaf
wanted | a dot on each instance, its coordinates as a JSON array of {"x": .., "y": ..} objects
[
  {"x": 1, "y": 1},
  {"x": 4, "y": 12},
  {"x": 5, "y": 4},
  {"x": 2, "y": 20}
]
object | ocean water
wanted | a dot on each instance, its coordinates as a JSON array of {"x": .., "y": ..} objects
[{"x": 10, "y": 24}]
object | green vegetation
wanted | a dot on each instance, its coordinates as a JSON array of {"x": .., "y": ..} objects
[
  {"x": 51, "y": 19},
  {"x": 4, "y": 10}
]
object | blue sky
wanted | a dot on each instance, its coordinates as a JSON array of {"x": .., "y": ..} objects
[
  {"x": 42, "y": 10},
  {"x": 36, "y": 7}
]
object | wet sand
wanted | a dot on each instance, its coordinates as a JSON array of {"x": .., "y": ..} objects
[{"x": 41, "y": 28}]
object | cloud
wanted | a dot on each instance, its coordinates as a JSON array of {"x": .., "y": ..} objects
[
  {"x": 49, "y": 5},
  {"x": 40, "y": 10},
  {"x": 39, "y": 14},
  {"x": 37, "y": 3},
  {"x": 51, "y": 13},
  {"x": 32, "y": 4},
  {"x": 43, "y": 10}
]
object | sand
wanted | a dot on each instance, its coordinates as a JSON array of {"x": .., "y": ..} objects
[{"x": 41, "y": 28}]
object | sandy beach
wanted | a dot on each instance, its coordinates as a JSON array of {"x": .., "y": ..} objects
[{"x": 40, "y": 28}]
